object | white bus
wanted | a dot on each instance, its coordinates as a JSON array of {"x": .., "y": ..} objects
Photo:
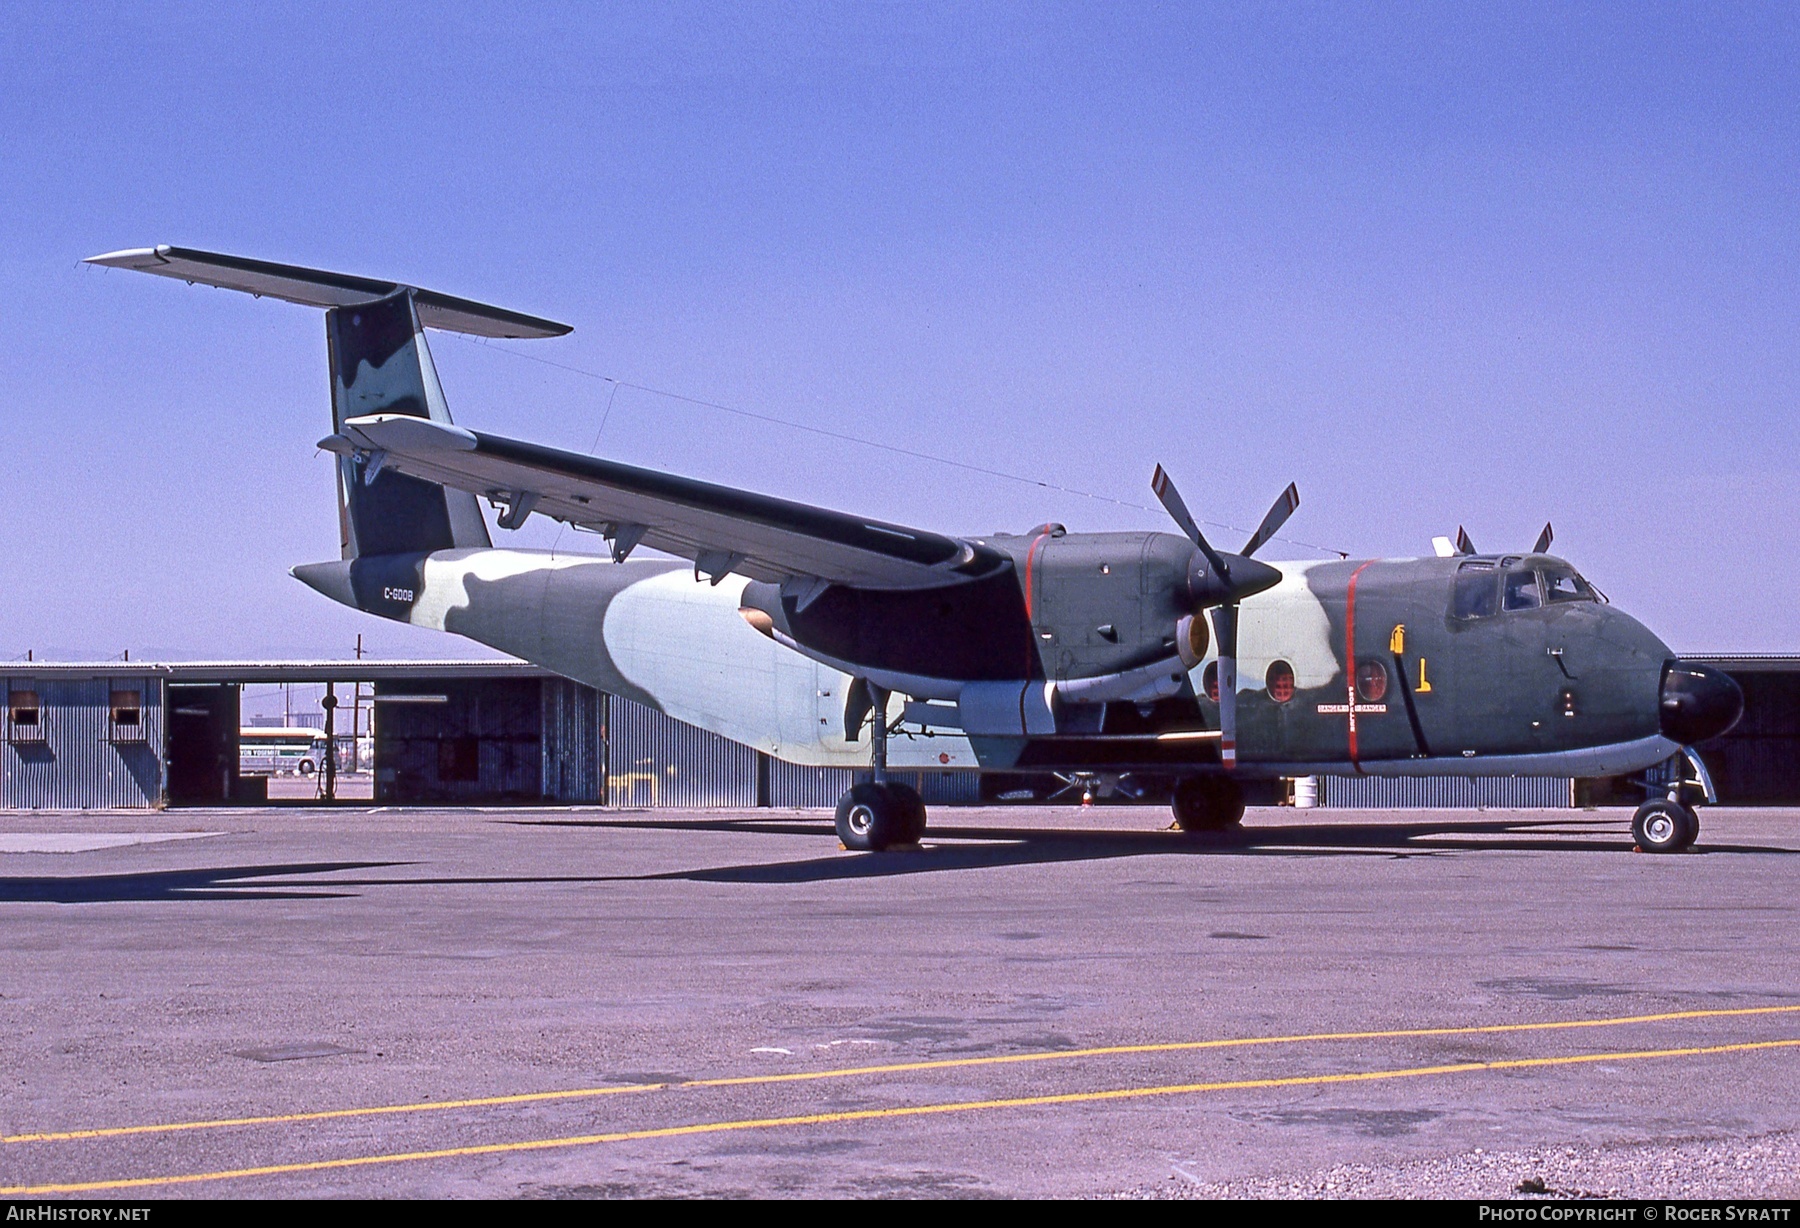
[{"x": 280, "y": 751}]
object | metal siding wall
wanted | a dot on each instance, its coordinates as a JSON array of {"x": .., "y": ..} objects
[
  {"x": 793, "y": 786},
  {"x": 503, "y": 719},
  {"x": 1758, "y": 761},
  {"x": 808, "y": 786},
  {"x": 573, "y": 770},
  {"x": 77, "y": 766},
  {"x": 655, "y": 760},
  {"x": 1445, "y": 792}
]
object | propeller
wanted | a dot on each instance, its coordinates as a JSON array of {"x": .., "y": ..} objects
[
  {"x": 1219, "y": 581},
  {"x": 1465, "y": 546}
]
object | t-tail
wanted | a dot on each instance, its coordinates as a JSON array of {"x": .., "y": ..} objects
[{"x": 380, "y": 364}]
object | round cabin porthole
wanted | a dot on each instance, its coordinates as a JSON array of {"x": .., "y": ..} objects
[
  {"x": 1209, "y": 679},
  {"x": 1372, "y": 681},
  {"x": 1280, "y": 681}
]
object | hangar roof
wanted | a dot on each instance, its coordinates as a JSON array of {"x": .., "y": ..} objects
[{"x": 366, "y": 670}]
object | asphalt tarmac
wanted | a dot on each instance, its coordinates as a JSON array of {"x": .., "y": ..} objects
[{"x": 1066, "y": 1002}]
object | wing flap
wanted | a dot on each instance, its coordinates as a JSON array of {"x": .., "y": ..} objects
[{"x": 765, "y": 538}]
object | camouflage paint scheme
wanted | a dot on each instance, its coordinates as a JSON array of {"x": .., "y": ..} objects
[
  {"x": 1069, "y": 607},
  {"x": 1049, "y": 650},
  {"x": 650, "y": 631}
]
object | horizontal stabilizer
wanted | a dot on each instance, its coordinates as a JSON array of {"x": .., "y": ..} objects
[{"x": 317, "y": 288}]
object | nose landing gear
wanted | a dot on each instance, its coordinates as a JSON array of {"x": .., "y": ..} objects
[
  {"x": 1662, "y": 826},
  {"x": 1671, "y": 823}
]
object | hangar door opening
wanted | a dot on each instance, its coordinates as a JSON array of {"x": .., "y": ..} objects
[{"x": 203, "y": 745}]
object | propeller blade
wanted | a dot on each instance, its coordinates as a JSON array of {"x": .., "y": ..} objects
[
  {"x": 1463, "y": 544},
  {"x": 1171, "y": 501},
  {"x": 1271, "y": 525},
  {"x": 1225, "y": 627},
  {"x": 1544, "y": 539}
]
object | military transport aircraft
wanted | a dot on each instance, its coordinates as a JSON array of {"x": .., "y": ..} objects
[{"x": 794, "y": 629}]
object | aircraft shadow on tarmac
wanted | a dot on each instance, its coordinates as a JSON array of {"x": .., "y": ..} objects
[
  {"x": 204, "y": 883},
  {"x": 948, "y": 847},
  {"x": 990, "y": 847}
]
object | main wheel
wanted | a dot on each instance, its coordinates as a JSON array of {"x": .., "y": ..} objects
[
  {"x": 913, "y": 806},
  {"x": 1207, "y": 803},
  {"x": 1664, "y": 827},
  {"x": 871, "y": 818}
]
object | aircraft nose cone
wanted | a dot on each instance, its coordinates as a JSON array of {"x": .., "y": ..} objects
[{"x": 1698, "y": 702}]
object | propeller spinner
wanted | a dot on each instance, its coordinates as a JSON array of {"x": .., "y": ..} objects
[{"x": 1219, "y": 581}]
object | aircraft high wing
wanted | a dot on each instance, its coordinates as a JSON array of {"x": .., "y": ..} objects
[{"x": 721, "y": 529}]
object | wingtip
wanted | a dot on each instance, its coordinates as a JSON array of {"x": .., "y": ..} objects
[{"x": 129, "y": 257}]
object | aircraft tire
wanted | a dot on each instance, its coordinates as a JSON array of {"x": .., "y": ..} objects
[
  {"x": 1207, "y": 803},
  {"x": 870, "y": 818},
  {"x": 914, "y": 808},
  {"x": 1664, "y": 827}
]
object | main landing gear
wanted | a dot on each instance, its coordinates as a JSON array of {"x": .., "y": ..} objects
[
  {"x": 1207, "y": 803},
  {"x": 880, "y": 813}
]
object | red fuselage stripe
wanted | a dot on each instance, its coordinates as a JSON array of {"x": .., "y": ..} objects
[{"x": 1350, "y": 658}]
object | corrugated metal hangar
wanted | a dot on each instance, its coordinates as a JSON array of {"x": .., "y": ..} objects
[
  {"x": 121, "y": 735},
  {"x": 118, "y": 734}
]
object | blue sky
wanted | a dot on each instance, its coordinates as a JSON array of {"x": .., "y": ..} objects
[{"x": 1438, "y": 264}]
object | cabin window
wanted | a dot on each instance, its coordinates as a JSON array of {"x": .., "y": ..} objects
[
  {"x": 1209, "y": 679},
  {"x": 1280, "y": 681},
  {"x": 24, "y": 718},
  {"x": 1522, "y": 590},
  {"x": 126, "y": 716},
  {"x": 1562, "y": 584},
  {"x": 1476, "y": 593},
  {"x": 1372, "y": 681}
]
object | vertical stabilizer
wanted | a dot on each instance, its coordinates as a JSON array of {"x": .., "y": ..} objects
[{"x": 380, "y": 364}]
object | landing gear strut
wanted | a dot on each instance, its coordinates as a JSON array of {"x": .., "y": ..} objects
[
  {"x": 880, "y": 813},
  {"x": 1207, "y": 803}
]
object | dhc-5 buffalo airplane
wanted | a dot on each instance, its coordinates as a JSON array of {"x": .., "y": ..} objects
[{"x": 795, "y": 629}]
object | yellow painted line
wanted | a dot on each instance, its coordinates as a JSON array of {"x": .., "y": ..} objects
[
  {"x": 918, "y": 1110},
  {"x": 426, "y": 1106},
  {"x": 844, "y": 1072}
]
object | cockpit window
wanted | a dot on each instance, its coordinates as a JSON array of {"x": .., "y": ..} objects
[
  {"x": 1522, "y": 590},
  {"x": 1562, "y": 584},
  {"x": 1476, "y": 593}
]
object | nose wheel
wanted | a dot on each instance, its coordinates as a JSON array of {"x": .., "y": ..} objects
[{"x": 1664, "y": 827}]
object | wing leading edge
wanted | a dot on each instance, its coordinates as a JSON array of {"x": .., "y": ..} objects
[{"x": 720, "y": 528}]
